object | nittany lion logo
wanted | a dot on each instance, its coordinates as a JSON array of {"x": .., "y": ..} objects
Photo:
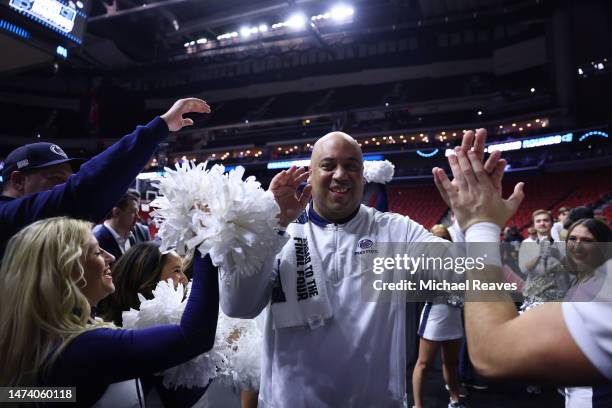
[
  {"x": 58, "y": 150},
  {"x": 365, "y": 243}
]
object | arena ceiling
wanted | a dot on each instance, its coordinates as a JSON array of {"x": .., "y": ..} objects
[{"x": 127, "y": 33}]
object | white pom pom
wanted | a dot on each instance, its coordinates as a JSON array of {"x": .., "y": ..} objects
[
  {"x": 196, "y": 372},
  {"x": 244, "y": 351},
  {"x": 167, "y": 307},
  {"x": 219, "y": 214},
  {"x": 378, "y": 171}
]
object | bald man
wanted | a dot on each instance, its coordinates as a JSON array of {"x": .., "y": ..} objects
[{"x": 324, "y": 345}]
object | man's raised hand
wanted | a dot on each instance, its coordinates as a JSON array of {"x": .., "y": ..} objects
[
  {"x": 174, "y": 117},
  {"x": 284, "y": 187}
]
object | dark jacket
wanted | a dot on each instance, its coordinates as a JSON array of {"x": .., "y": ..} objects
[
  {"x": 92, "y": 192},
  {"x": 106, "y": 241},
  {"x": 140, "y": 234}
]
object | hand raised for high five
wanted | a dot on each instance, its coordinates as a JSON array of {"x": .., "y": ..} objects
[
  {"x": 174, "y": 117},
  {"x": 476, "y": 143},
  {"x": 475, "y": 192},
  {"x": 284, "y": 188}
]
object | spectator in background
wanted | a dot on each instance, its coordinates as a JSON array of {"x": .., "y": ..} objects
[
  {"x": 513, "y": 236},
  {"x": 542, "y": 223},
  {"x": 538, "y": 260},
  {"x": 39, "y": 181},
  {"x": 532, "y": 235},
  {"x": 115, "y": 234},
  {"x": 140, "y": 231},
  {"x": 576, "y": 214},
  {"x": 558, "y": 232}
]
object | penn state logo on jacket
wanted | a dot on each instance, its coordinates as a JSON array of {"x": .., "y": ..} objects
[{"x": 365, "y": 246}]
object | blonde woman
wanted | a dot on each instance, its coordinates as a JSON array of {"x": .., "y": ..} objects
[{"x": 52, "y": 271}]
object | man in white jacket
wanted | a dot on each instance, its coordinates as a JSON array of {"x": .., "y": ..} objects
[{"x": 353, "y": 353}]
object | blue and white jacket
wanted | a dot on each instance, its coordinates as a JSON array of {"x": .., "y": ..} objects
[{"x": 358, "y": 358}]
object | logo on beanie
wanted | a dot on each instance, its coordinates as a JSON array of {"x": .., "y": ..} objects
[{"x": 58, "y": 150}]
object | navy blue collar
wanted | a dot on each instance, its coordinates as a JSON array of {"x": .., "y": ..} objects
[{"x": 322, "y": 222}]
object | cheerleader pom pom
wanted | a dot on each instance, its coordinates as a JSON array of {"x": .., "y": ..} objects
[
  {"x": 218, "y": 214},
  {"x": 244, "y": 344},
  {"x": 196, "y": 372},
  {"x": 167, "y": 307},
  {"x": 378, "y": 171}
]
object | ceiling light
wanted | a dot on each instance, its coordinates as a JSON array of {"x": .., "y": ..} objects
[
  {"x": 340, "y": 13},
  {"x": 296, "y": 21}
]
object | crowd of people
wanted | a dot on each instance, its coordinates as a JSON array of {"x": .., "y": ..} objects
[{"x": 65, "y": 283}]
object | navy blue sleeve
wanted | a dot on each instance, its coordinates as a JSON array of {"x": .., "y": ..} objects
[
  {"x": 105, "y": 356},
  {"x": 93, "y": 191},
  {"x": 382, "y": 203}
]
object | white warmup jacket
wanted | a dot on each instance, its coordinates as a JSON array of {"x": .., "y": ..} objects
[{"x": 358, "y": 358}]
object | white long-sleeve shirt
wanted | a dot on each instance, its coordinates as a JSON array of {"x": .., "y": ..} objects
[{"x": 358, "y": 358}]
